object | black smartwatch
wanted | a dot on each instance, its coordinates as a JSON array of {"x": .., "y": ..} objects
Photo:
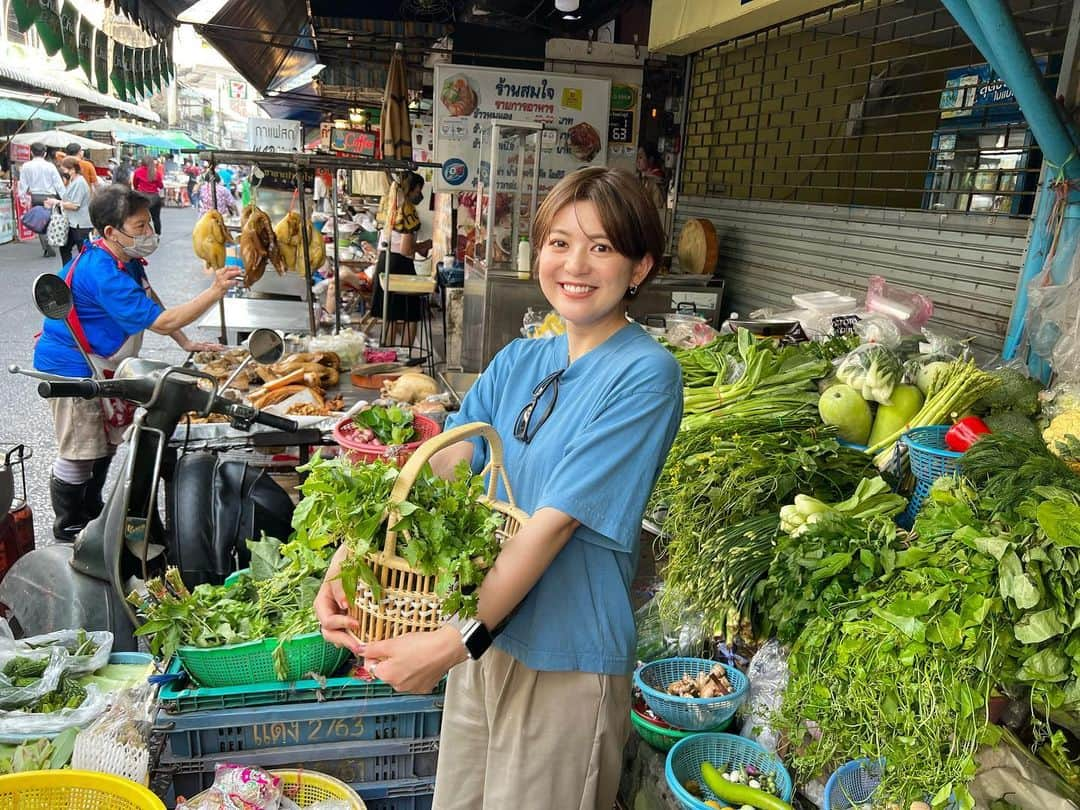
[{"x": 476, "y": 637}]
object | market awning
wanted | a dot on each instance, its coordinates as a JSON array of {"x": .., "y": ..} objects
[
  {"x": 267, "y": 41},
  {"x": 64, "y": 86},
  {"x": 181, "y": 140},
  {"x": 11, "y": 110}
]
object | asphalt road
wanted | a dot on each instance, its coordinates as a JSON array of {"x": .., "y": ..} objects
[{"x": 175, "y": 274}]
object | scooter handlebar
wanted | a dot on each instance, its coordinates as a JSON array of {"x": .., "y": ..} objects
[
  {"x": 86, "y": 389},
  {"x": 277, "y": 422}
]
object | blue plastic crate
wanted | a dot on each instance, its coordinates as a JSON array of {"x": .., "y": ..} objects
[
  {"x": 203, "y": 734},
  {"x": 374, "y": 762},
  {"x": 401, "y": 794}
]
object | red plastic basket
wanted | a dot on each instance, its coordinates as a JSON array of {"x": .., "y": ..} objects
[{"x": 360, "y": 452}]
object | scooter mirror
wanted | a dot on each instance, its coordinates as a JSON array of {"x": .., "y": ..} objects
[
  {"x": 265, "y": 346},
  {"x": 52, "y": 296}
]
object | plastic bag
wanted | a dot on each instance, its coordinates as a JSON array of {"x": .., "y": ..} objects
[
  {"x": 118, "y": 741},
  {"x": 70, "y": 640},
  {"x": 768, "y": 676},
  {"x": 535, "y": 325},
  {"x": 910, "y": 310},
  {"x": 16, "y": 726},
  {"x": 872, "y": 370},
  {"x": 239, "y": 787},
  {"x": 689, "y": 335},
  {"x": 1049, "y": 315},
  {"x": 14, "y": 697},
  {"x": 879, "y": 329}
]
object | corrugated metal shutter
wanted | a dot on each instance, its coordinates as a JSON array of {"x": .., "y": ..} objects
[
  {"x": 967, "y": 264},
  {"x": 867, "y": 139}
]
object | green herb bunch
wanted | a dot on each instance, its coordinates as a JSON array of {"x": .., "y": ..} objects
[
  {"x": 391, "y": 425},
  {"x": 443, "y": 529},
  {"x": 274, "y": 600}
]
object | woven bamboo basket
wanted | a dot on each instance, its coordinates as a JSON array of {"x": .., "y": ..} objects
[{"x": 409, "y": 602}]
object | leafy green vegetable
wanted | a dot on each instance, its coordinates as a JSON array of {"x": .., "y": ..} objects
[
  {"x": 41, "y": 755},
  {"x": 443, "y": 529},
  {"x": 391, "y": 425}
]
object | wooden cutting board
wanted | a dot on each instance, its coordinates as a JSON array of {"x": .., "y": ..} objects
[{"x": 699, "y": 249}]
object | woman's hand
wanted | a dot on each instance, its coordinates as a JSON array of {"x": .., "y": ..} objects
[
  {"x": 225, "y": 278},
  {"x": 332, "y": 608},
  {"x": 414, "y": 662},
  {"x": 201, "y": 346},
  {"x": 49, "y": 202}
]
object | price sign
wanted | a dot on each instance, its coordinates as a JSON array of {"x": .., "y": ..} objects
[{"x": 621, "y": 126}]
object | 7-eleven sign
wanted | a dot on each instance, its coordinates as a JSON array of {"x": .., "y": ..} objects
[{"x": 238, "y": 89}]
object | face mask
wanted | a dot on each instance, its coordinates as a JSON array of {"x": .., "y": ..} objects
[{"x": 145, "y": 244}]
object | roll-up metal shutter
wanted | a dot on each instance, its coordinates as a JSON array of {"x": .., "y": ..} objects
[{"x": 868, "y": 139}]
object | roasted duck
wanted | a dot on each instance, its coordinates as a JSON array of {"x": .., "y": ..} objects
[
  {"x": 289, "y": 238},
  {"x": 258, "y": 244}
]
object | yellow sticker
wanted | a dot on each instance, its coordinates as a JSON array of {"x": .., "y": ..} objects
[{"x": 571, "y": 97}]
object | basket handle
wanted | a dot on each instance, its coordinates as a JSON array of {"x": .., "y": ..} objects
[{"x": 495, "y": 470}]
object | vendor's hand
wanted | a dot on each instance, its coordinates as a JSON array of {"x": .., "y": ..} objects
[
  {"x": 225, "y": 278},
  {"x": 50, "y": 202},
  {"x": 332, "y": 611},
  {"x": 415, "y": 662},
  {"x": 202, "y": 346}
]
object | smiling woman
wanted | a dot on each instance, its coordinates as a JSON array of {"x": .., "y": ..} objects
[{"x": 570, "y": 411}]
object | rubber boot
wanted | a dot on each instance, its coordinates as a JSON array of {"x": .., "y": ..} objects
[
  {"x": 95, "y": 486},
  {"x": 68, "y": 502}
]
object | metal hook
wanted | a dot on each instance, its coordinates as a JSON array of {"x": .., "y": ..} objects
[
  {"x": 588, "y": 48},
  {"x": 637, "y": 48}
]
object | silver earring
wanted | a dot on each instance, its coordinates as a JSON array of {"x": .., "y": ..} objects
[{"x": 633, "y": 289}]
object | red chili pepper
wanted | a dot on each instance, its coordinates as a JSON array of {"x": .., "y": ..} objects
[{"x": 965, "y": 433}]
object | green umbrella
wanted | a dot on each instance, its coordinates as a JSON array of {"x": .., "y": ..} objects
[
  {"x": 101, "y": 61},
  {"x": 12, "y": 110},
  {"x": 69, "y": 46},
  {"x": 26, "y": 11},
  {"x": 86, "y": 39},
  {"x": 48, "y": 28}
]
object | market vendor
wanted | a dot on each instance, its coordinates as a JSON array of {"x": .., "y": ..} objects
[
  {"x": 113, "y": 305},
  {"x": 586, "y": 421},
  {"x": 404, "y": 248}
]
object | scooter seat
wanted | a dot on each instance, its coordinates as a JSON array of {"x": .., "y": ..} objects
[{"x": 216, "y": 505}]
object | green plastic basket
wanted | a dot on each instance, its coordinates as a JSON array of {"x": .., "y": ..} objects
[
  {"x": 253, "y": 661},
  {"x": 660, "y": 738}
]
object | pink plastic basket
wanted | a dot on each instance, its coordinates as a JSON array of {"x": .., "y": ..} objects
[{"x": 360, "y": 452}]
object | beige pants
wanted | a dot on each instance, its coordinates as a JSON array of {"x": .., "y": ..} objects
[
  {"x": 516, "y": 738},
  {"x": 80, "y": 428}
]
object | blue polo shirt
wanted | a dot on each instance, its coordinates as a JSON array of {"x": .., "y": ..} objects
[
  {"x": 596, "y": 459},
  {"x": 112, "y": 305}
]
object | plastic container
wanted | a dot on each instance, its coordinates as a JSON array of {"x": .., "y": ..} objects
[
  {"x": 205, "y": 734},
  {"x": 826, "y": 301},
  {"x": 253, "y": 661},
  {"x": 690, "y": 714},
  {"x": 180, "y": 697},
  {"x": 852, "y": 784},
  {"x": 660, "y": 735},
  {"x": 724, "y": 751},
  {"x": 361, "y": 452},
  {"x": 64, "y": 790},
  {"x": 524, "y": 259},
  {"x": 930, "y": 460}
]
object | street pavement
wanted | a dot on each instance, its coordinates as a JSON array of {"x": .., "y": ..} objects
[{"x": 175, "y": 274}]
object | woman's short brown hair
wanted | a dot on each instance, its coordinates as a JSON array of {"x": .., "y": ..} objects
[
  {"x": 71, "y": 163},
  {"x": 630, "y": 220}
]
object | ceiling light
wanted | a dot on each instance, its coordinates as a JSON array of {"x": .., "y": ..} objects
[
  {"x": 341, "y": 123},
  {"x": 566, "y": 6},
  {"x": 358, "y": 116},
  {"x": 572, "y": 16}
]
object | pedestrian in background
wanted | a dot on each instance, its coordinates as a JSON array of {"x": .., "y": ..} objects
[
  {"x": 41, "y": 179},
  {"x": 149, "y": 179},
  {"x": 86, "y": 167},
  {"x": 76, "y": 204}
]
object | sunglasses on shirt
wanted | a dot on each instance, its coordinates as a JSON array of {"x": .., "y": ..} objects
[{"x": 525, "y": 428}]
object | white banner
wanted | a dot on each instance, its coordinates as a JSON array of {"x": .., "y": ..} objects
[
  {"x": 274, "y": 135},
  {"x": 467, "y": 97}
]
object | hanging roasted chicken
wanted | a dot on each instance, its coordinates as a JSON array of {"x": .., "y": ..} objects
[
  {"x": 258, "y": 244},
  {"x": 209, "y": 237},
  {"x": 316, "y": 247},
  {"x": 289, "y": 238}
]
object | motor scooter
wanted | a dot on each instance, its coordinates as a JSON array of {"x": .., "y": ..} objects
[{"x": 84, "y": 584}]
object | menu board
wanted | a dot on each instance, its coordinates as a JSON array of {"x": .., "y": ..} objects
[{"x": 466, "y": 98}]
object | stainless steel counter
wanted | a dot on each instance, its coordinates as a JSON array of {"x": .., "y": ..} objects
[
  {"x": 244, "y": 315},
  {"x": 496, "y": 301}
]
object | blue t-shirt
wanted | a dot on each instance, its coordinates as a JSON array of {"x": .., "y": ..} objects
[
  {"x": 596, "y": 459},
  {"x": 112, "y": 305}
]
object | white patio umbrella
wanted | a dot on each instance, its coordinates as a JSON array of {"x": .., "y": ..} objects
[{"x": 57, "y": 139}]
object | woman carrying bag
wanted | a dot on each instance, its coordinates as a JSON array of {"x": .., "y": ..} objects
[{"x": 74, "y": 203}]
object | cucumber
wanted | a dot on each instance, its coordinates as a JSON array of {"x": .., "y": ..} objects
[{"x": 739, "y": 794}]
